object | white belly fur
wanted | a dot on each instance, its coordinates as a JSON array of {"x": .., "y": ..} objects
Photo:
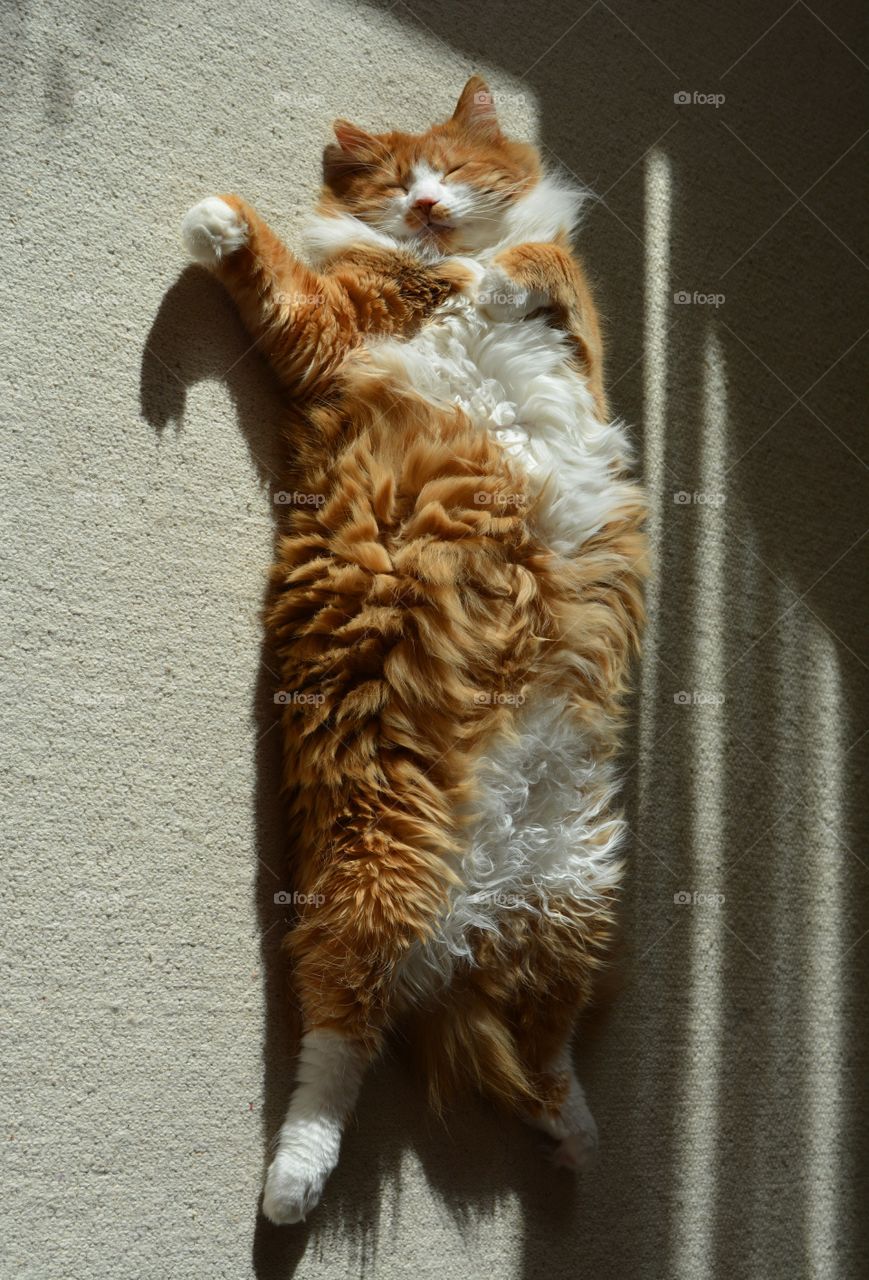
[{"x": 543, "y": 826}]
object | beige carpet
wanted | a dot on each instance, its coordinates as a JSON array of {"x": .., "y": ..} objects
[{"x": 145, "y": 1057}]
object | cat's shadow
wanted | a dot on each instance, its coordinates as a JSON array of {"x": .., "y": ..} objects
[{"x": 480, "y": 1158}]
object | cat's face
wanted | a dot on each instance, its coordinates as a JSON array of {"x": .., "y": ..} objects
[{"x": 450, "y": 189}]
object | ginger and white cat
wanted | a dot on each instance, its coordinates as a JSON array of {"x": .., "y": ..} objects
[{"x": 456, "y": 598}]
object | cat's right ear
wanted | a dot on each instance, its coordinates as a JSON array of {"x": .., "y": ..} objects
[{"x": 355, "y": 149}]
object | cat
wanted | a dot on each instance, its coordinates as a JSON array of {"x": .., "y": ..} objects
[{"x": 455, "y": 604}]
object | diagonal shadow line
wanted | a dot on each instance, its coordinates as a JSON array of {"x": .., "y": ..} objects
[
  {"x": 799, "y": 599},
  {"x": 741, "y": 941},
  {"x": 785, "y": 788},
  {"x": 816, "y": 16},
  {"x": 650, "y": 850},
  {"x": 762, "y": 836},
  {"x": 835, "y": 36},
  {"x": 797, "y": 200},
  {"x": 759, "y": 38},
  {"x": 854, "y": 944},
  {"x": 641, "y": 158},
  {"x": 798, "y": 399},
  {"x": 546, "y": 54},
  {"x": 640, "y": 38}
]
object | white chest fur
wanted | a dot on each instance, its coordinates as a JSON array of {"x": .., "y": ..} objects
[
  {"x": 514, "y": 379},
  {"x": 544, "y": 827}
]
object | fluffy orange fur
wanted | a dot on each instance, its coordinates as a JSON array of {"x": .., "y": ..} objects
[{"x": 401, "y": 604}]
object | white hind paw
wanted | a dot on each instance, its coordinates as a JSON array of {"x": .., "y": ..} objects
[
  {"x": 578, "y": 1151},
  {"x": 294, "y": 1184},
  {"x": 211, "y": 230}
]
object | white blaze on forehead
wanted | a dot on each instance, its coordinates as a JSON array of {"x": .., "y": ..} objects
[{"x": 426, "y": 183}]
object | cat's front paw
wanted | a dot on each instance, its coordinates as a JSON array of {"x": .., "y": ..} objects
[
  {"x": 501, "y": 298},
  {"x": 294, "y": 1184},
  {"x": 211, "y": 230}
]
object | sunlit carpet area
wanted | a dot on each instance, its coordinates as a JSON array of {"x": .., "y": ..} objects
[{"x": 148, "y": 1038}]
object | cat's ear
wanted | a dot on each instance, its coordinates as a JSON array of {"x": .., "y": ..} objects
[
  {"x": 355, "y": 142},
  {"x": 354, "y": 150},
  {"x": 475, "y": 110}
]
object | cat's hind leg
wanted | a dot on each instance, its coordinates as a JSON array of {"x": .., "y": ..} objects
[
  {"x": 507, "y": 1025},
  {"x": 566, "y": 1116},
  {"x": 329, "y": 1073},
  {"x": 364, "y": 909}
]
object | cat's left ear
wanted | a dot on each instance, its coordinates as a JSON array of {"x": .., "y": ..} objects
[{"x": 475, "y": 110}]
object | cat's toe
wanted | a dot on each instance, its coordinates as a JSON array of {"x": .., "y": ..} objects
[
  {"x": 211, "y": 230},
  {"x": 293, "y": 1188}
]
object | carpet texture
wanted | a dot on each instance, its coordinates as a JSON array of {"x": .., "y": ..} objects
[{"x": 147, "y": 1040}]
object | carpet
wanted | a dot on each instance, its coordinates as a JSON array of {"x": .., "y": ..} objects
[{"x": 147, "y": 1038}]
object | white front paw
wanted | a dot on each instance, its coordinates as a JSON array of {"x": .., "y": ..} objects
[
  {"x": 211, "y": 230},
  {"x": 294, "y": 1184},
  {"x": 500, "y": 298}
]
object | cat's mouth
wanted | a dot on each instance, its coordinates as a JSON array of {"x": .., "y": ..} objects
[
  {"x": 422, "y": 221},
  {"x": 433, "y": 231}
]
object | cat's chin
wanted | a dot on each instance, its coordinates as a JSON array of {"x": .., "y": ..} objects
[{"x": 439, "y": 237}]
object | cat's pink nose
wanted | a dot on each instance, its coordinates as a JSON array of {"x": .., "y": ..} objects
[{"x": 425, "y": 204}]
